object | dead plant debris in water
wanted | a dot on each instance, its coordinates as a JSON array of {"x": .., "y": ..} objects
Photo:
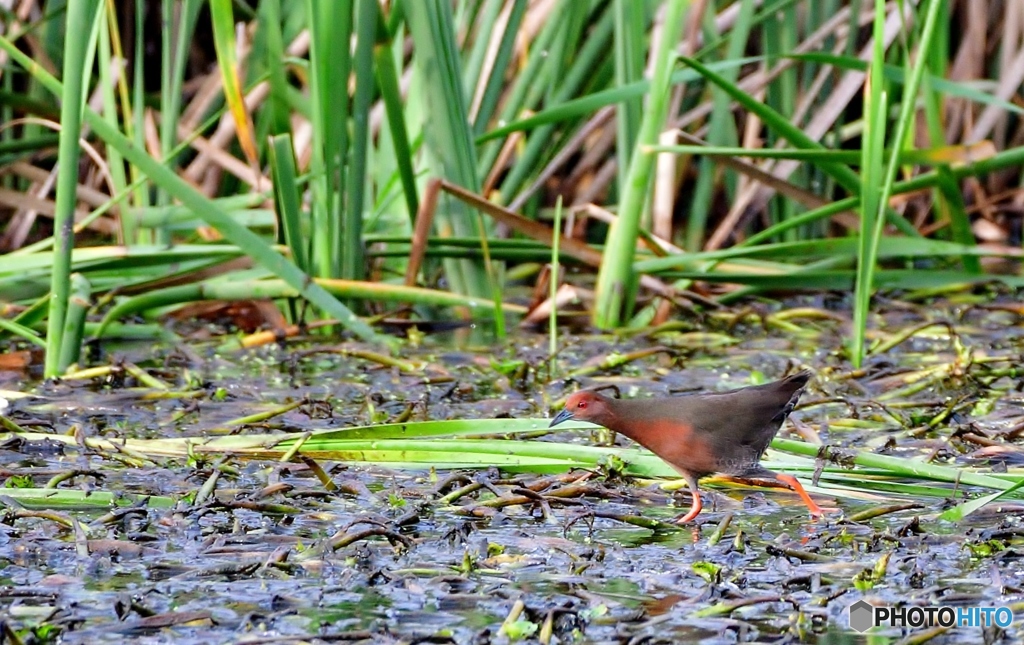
[{"x": 286, "y": 516}]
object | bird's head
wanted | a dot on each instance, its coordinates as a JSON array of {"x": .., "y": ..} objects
[{"x": 584, "y": 406}]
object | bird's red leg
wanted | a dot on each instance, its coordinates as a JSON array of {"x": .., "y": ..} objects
[
  {"x": 697, "y": 505},
  {"x": 694, "y": 511},
  {"x": 792, "y": 482}
]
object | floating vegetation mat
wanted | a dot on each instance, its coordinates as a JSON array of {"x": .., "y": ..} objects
[{"x": 316, "y": 493}]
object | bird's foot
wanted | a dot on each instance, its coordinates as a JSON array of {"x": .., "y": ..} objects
[
  {"x": 826, "y": 510},
  {"x": 794, "y": 485},
  {"x": 694, "y": 511}
]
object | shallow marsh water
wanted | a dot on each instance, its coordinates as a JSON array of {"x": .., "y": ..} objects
[{"x": 565, "y": 569}]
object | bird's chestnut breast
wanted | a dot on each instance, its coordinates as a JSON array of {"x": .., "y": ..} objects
[{"x": 677, "y": 443}]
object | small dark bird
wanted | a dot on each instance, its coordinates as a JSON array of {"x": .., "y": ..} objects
[{"x": 701, "y": 434}]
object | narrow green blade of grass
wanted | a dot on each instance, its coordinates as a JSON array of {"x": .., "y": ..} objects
[
  {"x": 233, "y": 288},
  {"x": 222, "y": 17},
  {"x": 932, "y": 156},
  {"x": 330, "y": 64},
  {"x": 107, "y": 86},
  {"x": 64, "y": 499},
  {"x": 270, "y": 25},
  {"x": 966, "y": 90},
  {"x": 180, "y": 20},
  {"x": 12, "y": 150},
  {"x": 135, "y": 125},
  {"x": 497, "y": 79},
  {"x": 856, "y": 480},
  {"x": 629, "y": 51},
  {"x": 834, "y": 248},
  {"x": 568, "y": 67},
  {"x": 73, "y": 96},
  {"x": 873, "y": 172},
  {"x": 899, "y": 466},
  {"x": 74, "y": 323},
  {"x": 366, "y": 23},
  {"x": 287, "y": 196},
  {"x": 1001, "y": 160},
  {"x": 779, "y": 124},
  {"x": 452, "y": 454},
  {"x": 830, "y": 279},
  {"x": 98, "y": 258},
  {"x": 26, "y": 333},
  {"x": 554, "y": 278},
  {"x": 448, "y": 133},
  {"x": 446, "y": 428},
  {"x": 959, "y": 512},
  {"x": 514, "y": 101},
  {"x": 434, "y": 447},
  {"x": 180, "y": 216},
  {"x": 952, "y": 203},
  {"x": 391, "y": 95},
  {"x": 246, "y": 240},
  {"x": 568, "y": 109},
  {"x": 615, "y": 277},
  {"x": 483, "y": 21},
  {"x": 782, "y": 95},
  {"x": 721, "y": 131}
]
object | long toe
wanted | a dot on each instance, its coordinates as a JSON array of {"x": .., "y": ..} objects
[
  {"x": 797, "y": 488},
  {"x": 694, "y": 511}
]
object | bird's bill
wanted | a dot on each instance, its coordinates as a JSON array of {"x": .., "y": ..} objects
[{"x": 564, "y": 415}]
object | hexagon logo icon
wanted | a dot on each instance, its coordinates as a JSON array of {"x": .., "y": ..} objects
[{"x": 861, "y": 616}]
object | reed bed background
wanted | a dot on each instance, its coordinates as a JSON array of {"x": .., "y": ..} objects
[{"x": 357, "y": 155}]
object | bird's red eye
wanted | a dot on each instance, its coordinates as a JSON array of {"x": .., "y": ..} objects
[{"x": 581, "y": 404}]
